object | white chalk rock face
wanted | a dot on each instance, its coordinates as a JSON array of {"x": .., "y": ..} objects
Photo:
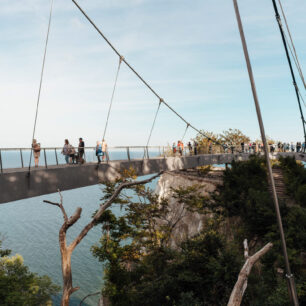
[{"x": 188, "y": 223}]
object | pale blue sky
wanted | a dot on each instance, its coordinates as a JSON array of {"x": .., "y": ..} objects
[{"x": 189, "y": 51}]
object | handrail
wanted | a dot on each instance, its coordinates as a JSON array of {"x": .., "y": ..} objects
[{"x": 91, "y": 147}]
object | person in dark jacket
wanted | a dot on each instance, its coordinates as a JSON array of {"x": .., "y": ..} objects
[{"x": 81, "y": 149}]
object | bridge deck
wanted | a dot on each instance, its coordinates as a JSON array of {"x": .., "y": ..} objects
[{"x": 16, "y": 184}]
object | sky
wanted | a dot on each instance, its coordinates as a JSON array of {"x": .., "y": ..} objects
[{"x": 189, "y": 51}]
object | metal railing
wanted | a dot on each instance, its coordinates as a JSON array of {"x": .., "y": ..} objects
[{"x": 52, "y": 156}]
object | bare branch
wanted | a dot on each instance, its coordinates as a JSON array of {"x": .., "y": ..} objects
[
  {"x": 75, "y": 217},
  {"x": 106, "y": 205},
  {"x": 242, "y": 282},
  {"x": 60, "y": 205},
  {"x": 66, "y": 252},
  {"x": 52, "y": 203},
  {"x": 92, "y": 294}
]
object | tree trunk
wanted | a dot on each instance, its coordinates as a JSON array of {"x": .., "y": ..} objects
[{"x": 67, "y": 277}]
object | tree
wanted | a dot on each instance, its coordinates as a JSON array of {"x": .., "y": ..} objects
[
  {"x": 245, "y": 201},
  {"x": 230, "y": 137},
  {"x": 234, "y": 137},
  {"x": 142, "y": 269},
  {"x": 19, "y": 286},
  {"x": 66, "y": 250},
  {"x": 205, "y": 143}
]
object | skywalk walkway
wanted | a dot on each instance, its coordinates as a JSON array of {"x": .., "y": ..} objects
[{"x": 17, "y": 184}]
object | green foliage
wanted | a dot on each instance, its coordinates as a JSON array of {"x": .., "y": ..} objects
[
  {"x": 4, "y": 252},
  {"x": 18, "y": 286},
  {"x": 233, "y": 136},
  {"x": 245, "y": 195},
  {"x": 295, "y": 179},
  {"x": 142, "y": 269},
  {"x": 205, "y": 142},
  {"x": 230, "y": 137},
  {"x": 204, "y": 170}
]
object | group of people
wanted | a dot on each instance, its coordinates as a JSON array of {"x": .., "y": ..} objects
[
  {"x": 286, "y": 147},
  {"x": 252, "y": 147},
  {"x": 73, "y": 156},
  {"x": 70, "y": 154},
  {"x": 256, "y": 147},
  {"x": 179, "y": 147}
]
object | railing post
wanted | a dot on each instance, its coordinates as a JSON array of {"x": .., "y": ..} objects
[
  {"x": 56, "y": 156},
  {"x": 21, "y": 158},
  {"x": 128, "y": 153},
  {"x": 45, "y": 158},
  {"x": 1, "y": 162}
]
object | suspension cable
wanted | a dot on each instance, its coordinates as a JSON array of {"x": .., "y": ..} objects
[
  {"x": 297, "y": 87},
  {"x": 158, "y": 108},
  {"x": 301, "y": 97},
  {"x": 41, "y": 80},
  {"x": 278, "y": 18},
  {"x": 295, "y": 56},
  {"x": 187, "y": 126},
  {"x": 112, "y": 98},
  {"x": 138, "y": 75}
]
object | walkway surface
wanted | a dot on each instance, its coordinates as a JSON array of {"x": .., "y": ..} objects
[{"x": 17, "y": 184}]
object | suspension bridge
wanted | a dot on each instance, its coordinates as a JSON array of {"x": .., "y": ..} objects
[{"x": 25, "y": 181}]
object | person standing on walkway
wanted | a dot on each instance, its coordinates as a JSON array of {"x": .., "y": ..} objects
[
  {"x": 179, "y": 146},
  {"x": 174, "y": 148},
  {"x": 190, "y": 148},
  {"x": 66, "y": 151},
  {"x": 195, "y": 148},
  {"x": 99, "y": 151},
  {"x": 36, "y": 152},
  {"x": 242, "y": 147},
  {"x": 72, "y": 154},
  {"x": 81, "y": 150},
  {"x": 210, "y": 147},
  {"x": 104, "y": 150}
]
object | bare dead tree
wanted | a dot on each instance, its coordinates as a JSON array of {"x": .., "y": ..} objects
[
  {"x": 66, "y": 250},
  {"x": 242, "y": 282}
]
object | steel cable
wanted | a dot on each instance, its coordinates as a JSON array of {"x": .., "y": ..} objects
[
  {"x": 298, "y": 66},
  {"x": 154, "y": 121},
  {"x": 187, "y": 126},
  {"x": 278, "y": 19},
  {"x": 41, "y": 79},
  {"x": 138, "y": 75},
  {"x": 112, "y": 97}
]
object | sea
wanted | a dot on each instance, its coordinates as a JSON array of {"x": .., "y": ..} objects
[{"x": 30, "y": 228}]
